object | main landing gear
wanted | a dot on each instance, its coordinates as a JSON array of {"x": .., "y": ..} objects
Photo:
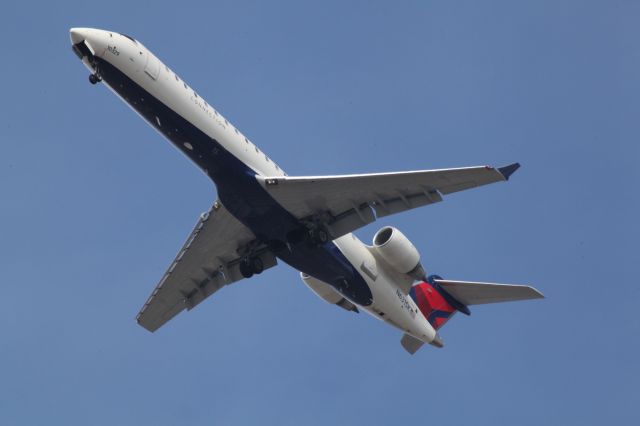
[
  {"x": 316, "y": 236},
  {"x": 94, "y": 78},
  {"x": 251, "y": 266}
]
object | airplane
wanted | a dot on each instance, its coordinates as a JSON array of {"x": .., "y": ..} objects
[{"x": 263, "y": 215}]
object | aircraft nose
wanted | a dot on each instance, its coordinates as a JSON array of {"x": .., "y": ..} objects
[
  {"x": 89, "y": 42},
  {"x": 78, "y": 35}
]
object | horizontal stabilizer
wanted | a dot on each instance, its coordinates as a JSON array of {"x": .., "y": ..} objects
[
  {"x": 410, "y": 343},
  {"x": 473, "y": 293}
]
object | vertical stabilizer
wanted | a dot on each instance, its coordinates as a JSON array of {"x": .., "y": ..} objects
[{"x": 436, "y": 306}]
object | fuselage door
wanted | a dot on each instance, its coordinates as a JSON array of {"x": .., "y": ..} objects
[{"x": 152, "y": 68}]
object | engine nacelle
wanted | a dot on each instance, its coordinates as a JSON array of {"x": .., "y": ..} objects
[
  {"x": 398, "y": 252},
  {"x": 327, "y": 293}
]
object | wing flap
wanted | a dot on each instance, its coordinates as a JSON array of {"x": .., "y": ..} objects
[{"x": 475, "y": 293}]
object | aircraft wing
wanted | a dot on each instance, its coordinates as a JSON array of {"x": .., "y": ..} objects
[
  {"x": 346, "y": 203},
  {"x": 208, "y": 260}
]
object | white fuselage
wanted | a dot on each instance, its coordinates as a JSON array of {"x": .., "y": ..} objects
[{"x": 145, "y": 70}]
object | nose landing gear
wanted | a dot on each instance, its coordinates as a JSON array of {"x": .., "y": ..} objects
[{"x": 94, "y": 78}]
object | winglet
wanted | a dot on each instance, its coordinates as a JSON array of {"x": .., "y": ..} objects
[{"x": 507, "y": 171}]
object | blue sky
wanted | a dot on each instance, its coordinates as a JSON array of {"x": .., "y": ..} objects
[{"x": 95, "y": 206}]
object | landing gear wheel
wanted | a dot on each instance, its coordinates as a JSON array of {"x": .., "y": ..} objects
[
  {"x": 251, "y": 266},
  {"x": 94, "y": 78},
  {"x": 256, "y": 265},
  {"x": 245, "y": 269}
]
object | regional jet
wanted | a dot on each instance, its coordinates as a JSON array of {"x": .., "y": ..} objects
[{"x": 262, "y": 215}]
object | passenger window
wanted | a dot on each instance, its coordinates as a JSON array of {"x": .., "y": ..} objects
[
  {"x": 257, "y": 150},
  {"x": 237, "y": 133},
  {"x": 246, "y": 140},
  {"x": 266, "y": 158},
  {"x": 185, "y": 85},
  {"x": 195, "y": 94},
  {"x": 176, "y": 76}
]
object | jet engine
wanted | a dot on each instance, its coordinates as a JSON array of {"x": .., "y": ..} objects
[{"x": 398, "y": 252}]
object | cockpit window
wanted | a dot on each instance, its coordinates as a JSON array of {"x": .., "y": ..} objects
[{"x": 129, "y": 37}]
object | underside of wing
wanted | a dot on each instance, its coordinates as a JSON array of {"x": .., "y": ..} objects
[
  {"x": 346, "y": 203},
  {"x": 209, "y": 260}
]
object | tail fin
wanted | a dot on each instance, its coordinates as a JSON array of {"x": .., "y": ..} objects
[{"x": 436, "y": 305}]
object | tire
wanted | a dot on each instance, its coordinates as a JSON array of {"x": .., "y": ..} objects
[
  {"x": 93, "y": 79},
  {"x": 257, "y": 266},
  {"x": 246, "y": 269}
]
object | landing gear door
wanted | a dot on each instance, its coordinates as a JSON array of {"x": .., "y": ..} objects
[{"x": 152, "y": 68}]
